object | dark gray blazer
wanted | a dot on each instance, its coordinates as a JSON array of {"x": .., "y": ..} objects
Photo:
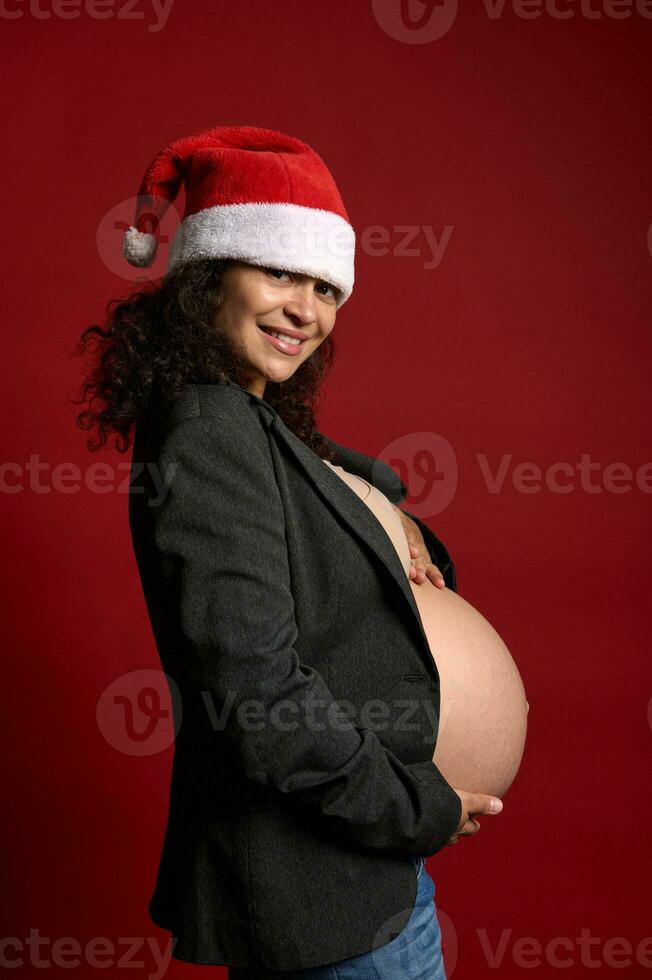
[{"x": 274, "y": 593}]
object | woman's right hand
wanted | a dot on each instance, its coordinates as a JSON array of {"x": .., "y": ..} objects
[{"x": 473, "y": 803}]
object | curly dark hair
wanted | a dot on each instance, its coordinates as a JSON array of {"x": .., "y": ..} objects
[{"x": 162, "y": 336}]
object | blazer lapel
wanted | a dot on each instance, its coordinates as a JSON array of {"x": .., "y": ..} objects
[
  {"x": 348, "y": 505},
  {"x": 375, "y": 471},
  {"x": 357, "y": 515}
]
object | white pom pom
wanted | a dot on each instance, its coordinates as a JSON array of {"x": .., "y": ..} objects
[{"x": 139, "y": 247}]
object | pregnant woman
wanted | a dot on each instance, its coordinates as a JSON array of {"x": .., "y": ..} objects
[{"x": 316, "y": 657}]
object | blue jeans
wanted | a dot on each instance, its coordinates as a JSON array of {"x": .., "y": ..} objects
[{"x": 415, "y": 954}]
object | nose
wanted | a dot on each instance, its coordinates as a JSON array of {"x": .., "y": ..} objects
[{"x": 300, "y": 305}]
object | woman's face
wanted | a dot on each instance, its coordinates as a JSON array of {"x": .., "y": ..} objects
[{"x": 257, "y": 300}]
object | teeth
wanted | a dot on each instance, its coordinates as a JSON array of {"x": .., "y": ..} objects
[{"x": 284, "y": 337}]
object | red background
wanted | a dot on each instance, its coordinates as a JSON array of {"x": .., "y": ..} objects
[{"x": 531, "y": 138}]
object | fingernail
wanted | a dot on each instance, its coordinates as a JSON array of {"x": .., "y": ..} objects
[{"x": 495, "y": 806}]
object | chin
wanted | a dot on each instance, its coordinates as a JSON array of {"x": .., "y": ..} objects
[{"x": 278, "y": 374}]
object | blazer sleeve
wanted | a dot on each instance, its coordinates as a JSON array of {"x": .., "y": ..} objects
[{"x": 220, "y": 535}]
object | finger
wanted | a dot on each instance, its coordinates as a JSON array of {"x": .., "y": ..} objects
[
  {"x": 419, "y": 552},
  {"x": 424, "y": 569},
  {"x": 422, "y": 558},
  {"x": 435, "y": 576},
  {"x": 470, "y": 828},
  {"x": 417, "y": 570},
  {"x": 479, "y": 803}
]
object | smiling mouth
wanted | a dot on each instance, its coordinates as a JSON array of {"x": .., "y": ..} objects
[{"x": 283, "y": 337}]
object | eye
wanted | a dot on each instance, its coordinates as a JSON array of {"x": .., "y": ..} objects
[
  {"x": 334, "y": 291},
  {"x": 281, "y": 272},
  {"x": 277, "y": 273}
]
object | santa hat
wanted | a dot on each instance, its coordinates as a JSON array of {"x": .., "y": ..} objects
[{"x": 252, "y": 194}]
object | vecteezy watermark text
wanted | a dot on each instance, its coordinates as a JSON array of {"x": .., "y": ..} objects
[
  {"x": 424, "y": 461},
  {"x": 564, "y": 477},
  {"x": 100, "y": 477},
  {"x": 98, "y": 952},
  {"x": 135, "y": 10},
  {"x": 140, "y": 713},
  {"x": 425, "y": 21}
]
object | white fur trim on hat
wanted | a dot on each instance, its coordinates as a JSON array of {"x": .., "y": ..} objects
[
  {"x": 139, "y": 247},
  {"x": 286, "y": 236}
]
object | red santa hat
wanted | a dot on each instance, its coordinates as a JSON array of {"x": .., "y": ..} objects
[{"x": 251, "y": 194}]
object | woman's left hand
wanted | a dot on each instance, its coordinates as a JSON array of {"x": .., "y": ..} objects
[{"x": 421, "y": 568}]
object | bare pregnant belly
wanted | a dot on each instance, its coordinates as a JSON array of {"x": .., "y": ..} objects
[{"x": 483, "y": 710}]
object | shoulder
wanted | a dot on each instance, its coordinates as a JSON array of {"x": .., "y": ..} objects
[
  {"x": 221, "y": 400},
  {"x": 218, "y": 420}
]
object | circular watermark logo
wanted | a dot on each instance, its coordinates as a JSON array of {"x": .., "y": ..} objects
[
  {"x": 427, "y": 465},
  {"x": 415, "y": 21},
  {"x": 407, "y": 953},
  {"x": 110, "y": 236},
  {"x": 140, "y": 712}
]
